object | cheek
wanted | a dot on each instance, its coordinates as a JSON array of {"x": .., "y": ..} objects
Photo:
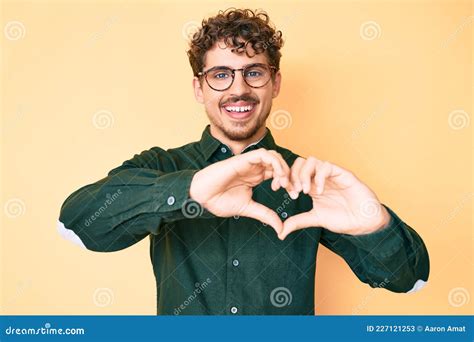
[
  {"x": 211, "y": 100},
  {"x": 266, "y": 99}
]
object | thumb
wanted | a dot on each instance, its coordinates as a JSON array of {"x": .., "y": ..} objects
[
  {"x": 264, "y": 214},
  {"x": 300, "y": 221}
]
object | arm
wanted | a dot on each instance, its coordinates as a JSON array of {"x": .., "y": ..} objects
[
  {"x": 379, "y": 247},
  {"x": 147, "y": 191},
  {"x": 127, "y": 205},
  {"x": 393, "y": 257}
]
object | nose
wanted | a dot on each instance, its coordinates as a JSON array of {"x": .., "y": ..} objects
[{"x": 239, "y": 86}]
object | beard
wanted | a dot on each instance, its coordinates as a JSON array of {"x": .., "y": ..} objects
[{"x": 239, "y": 131}]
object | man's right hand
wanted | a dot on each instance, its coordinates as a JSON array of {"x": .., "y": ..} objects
[{"x": 225, "y": 188}]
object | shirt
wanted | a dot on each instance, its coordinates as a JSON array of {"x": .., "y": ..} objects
[{"x": 205, "y": 264}]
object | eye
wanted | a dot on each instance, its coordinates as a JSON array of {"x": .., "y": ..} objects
[
  {"x": 256, "y": 72},
  {"x": 221, "y": 75}
]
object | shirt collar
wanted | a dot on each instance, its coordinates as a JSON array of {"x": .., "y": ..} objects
[{"x": 209, "y": 144}]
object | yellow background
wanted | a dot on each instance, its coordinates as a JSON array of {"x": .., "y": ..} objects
[{"x": 383, "y": 88}]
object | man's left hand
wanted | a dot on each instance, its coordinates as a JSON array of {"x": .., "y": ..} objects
[{"x": 341, "y": 202}]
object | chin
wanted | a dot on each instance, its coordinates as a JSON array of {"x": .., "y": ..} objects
[{"x": 239, "y": 131}]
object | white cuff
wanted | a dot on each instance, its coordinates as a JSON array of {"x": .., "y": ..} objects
[
  {"x": 418, "y": 286},
  {"x": 68, "y": 234}
]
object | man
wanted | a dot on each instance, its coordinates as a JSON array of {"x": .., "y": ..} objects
[{"x": 235, "y": 220}]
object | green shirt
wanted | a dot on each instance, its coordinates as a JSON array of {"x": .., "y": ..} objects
[{"x": 205, "y": 264}]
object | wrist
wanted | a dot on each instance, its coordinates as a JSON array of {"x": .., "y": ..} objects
[
  {"x": 194, "y": 189},
  {"x": 383, "y": 221}
]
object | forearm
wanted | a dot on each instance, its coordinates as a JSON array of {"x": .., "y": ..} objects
[
  {"x": 126, "y": 206},
  {"x": 394, "y": 256}
]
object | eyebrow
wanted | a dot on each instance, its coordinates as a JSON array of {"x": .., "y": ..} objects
[{"x": 229, "y": 67}]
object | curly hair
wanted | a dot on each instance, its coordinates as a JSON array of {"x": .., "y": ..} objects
[{"x": 237, "y": 28}]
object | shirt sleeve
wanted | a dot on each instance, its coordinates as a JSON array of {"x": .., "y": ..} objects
[
  {"x": 134, "y": 200},
  {"x": 394, "y": 257}
]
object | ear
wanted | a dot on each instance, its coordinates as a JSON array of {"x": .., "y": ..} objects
[
  {"x": 198, "y": 90},
  {"x": 276, "y": 84}
]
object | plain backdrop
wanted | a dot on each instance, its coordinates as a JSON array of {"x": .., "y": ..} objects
[{"x": 382, "y": 88}]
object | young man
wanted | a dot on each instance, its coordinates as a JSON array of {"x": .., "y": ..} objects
[{"x": 209, "y": 206}]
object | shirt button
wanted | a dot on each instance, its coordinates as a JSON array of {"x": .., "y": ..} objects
[
  {"x": 284, "y": 214},
  {"x": 235, "y": 262},
  {"x": 170, "y": 200},
  {"x": 236, "y": 217},
  {"x": 223, "y": 150},
  {"x": 233, "y": 310}
]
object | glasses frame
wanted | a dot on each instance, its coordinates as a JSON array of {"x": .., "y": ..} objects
[{"x": 204, "y": 74}]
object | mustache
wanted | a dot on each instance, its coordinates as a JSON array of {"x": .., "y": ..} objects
[{"x": 246, "y": 98}]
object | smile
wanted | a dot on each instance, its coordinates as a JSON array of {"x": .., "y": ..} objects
[{"x": 239, "y": 110}]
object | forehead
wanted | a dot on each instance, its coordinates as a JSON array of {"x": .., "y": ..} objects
[{"x": 220, "y": 55}]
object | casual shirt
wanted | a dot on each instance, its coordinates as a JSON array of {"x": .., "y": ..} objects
[{"x": 204, "y": 264}]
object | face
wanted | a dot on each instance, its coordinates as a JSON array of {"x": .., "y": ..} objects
[{"x": 240, "y": 112}]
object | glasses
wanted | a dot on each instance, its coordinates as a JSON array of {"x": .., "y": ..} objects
[{"x": 221, "y": 78}]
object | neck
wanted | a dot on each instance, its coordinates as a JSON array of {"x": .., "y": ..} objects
[{"x": 238, "y": 146}]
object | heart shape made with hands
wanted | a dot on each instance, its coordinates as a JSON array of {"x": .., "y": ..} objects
[{"x": 341, "y": 202}]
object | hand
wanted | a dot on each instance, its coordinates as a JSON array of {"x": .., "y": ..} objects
[
  {"x": 341, "y": 202},
  {"x": 225, "y": 188}
]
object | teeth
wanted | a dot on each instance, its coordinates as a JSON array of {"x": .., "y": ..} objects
[{"x": 238, "y": 109}]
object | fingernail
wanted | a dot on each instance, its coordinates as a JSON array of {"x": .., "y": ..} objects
[{"x": 305, "y": 188}]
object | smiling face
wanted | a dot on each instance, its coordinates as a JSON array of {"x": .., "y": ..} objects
[{"x": 239, "y": 112}]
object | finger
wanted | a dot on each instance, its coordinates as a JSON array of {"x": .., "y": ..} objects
[
  {"x": 261, "y": 156},
  {"x": 306, "y": 173},
  {"x": 294, "y": 177},
  {"x": 263, "y": 214},
  {"x": 323, "y": 171},
  {"x": 284, "y": 181},
  {"x": 269, "y": 162},
  {"x": 300, "y": 221},
  {"x": 342, "y": 177},
  {"x": 275, "y": 185},
  {"x": 268, "y": 173}
]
